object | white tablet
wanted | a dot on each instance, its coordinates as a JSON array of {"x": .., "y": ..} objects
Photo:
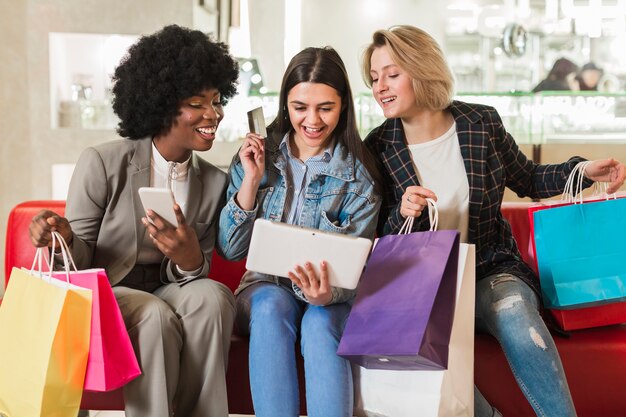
[{"x": 276, "y": 248}]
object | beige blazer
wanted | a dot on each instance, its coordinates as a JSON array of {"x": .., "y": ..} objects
[{"x": 105, "y": 211}]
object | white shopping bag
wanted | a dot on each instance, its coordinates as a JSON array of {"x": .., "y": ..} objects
[{"x": 449, "y": 393}]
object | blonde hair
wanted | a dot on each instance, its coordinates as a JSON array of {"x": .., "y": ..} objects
[{"x": 417, "y": 53}]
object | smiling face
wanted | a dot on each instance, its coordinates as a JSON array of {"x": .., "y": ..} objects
[
  {"x": 194, "y": 128},
  {"x": 391, "y": 85},
  {"x": 314, "y": 111}
]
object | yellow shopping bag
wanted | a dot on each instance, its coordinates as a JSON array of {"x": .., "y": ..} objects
[{"x": 44, "y": 344}]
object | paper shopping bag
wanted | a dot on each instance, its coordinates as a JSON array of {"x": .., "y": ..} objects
[
  {"x": 112, "y": 361},
  {"x": 403, "y": 311},
  {"x": 580, "y": 253},
  {"x": 44, "y": 344},
  {"x": 532, "y": 247},
  {"x": 439, "y": 393},
  {"x": 584, "y": 317}
]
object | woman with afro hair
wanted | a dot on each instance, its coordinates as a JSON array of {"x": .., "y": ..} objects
[{"x": 168, "y": 93}]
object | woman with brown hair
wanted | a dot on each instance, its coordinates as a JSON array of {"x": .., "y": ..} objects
[{"x": 312, "y": 170}]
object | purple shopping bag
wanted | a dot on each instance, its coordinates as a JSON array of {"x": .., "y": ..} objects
[{"x": 403, "y": 312}]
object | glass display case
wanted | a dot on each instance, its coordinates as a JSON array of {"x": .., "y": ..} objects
[
  {"x": 514, "y": 108},
  {"x": 546, "y": 117},
  {"x": 580, "y": 117},
  {"x": 81, "y": 67},
  {"x": 480, "y": 63}
]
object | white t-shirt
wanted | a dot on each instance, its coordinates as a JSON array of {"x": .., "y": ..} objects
[{"x": 440, "y": 168}]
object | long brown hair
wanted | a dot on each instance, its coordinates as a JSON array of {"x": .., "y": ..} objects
[{"x": 324, "y": 66}]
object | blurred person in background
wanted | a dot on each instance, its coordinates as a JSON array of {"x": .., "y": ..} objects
[
  {"x": 589, "y": 77},
  {"x": 561, "y": 77}
]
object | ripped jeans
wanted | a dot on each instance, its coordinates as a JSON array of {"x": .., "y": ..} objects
[{"x": 508, "y": 309}]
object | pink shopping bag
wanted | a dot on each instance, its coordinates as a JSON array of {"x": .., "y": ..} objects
[{"x": 112, "y": 362}]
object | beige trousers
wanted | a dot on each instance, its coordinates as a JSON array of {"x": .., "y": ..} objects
[{"x": 181, "y": 336}]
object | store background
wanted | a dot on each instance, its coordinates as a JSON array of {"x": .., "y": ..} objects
[{"x": 37, "y": 140}]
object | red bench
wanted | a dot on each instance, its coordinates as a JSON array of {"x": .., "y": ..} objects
[{"x": 594, "y": 359}]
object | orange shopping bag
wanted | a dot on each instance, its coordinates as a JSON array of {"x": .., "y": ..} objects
[{"x": 112, "y": 362}]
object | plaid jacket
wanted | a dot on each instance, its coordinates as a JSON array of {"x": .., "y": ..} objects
[{"x": 492, "y": 161}]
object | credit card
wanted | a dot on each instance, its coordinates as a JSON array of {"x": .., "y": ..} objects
[{"x": 256, "y": 122}]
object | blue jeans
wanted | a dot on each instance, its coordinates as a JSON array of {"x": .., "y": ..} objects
[
  {"x": 508, "y": 309},
  {"x": 274, "y": 318}
]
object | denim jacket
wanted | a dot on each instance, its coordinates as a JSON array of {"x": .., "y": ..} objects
[{"x": 341, "y": 199}]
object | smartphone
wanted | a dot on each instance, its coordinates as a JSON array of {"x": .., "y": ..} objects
[
  {"x": 256, "y": 122},
  {"x": 159, "y": 200}
]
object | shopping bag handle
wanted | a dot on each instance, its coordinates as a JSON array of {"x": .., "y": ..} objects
[
  {"x": 433, "y": 216},
  {"x": 573, "y": 193},
  {"x": 42, "y": 254}
]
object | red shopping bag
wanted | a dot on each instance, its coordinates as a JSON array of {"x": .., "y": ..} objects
[
  {"x": 588, "y": 317},
  {"x": 579, "y": 318},
  {"x": 112, "y": 362}
]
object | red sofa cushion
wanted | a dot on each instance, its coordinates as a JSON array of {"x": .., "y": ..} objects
[{"x": 19, "y": 251}]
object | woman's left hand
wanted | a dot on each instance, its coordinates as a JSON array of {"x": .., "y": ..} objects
[
  {"x": 180, "y": 244},
  {"x": 609, "y": 171},
  {"x": 316, "y": 290}
]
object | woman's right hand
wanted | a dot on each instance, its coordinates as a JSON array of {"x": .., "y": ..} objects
[
  {"x": 414, "y": 200},
  {"x": 252, "y": 156},
  {"x": 44, "y": 223}
]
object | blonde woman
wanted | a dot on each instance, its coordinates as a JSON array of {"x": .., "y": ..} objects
[{"x": 461, "y": 155}]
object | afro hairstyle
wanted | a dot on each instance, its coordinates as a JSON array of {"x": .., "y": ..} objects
[{"x": 161, "y": 70}]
